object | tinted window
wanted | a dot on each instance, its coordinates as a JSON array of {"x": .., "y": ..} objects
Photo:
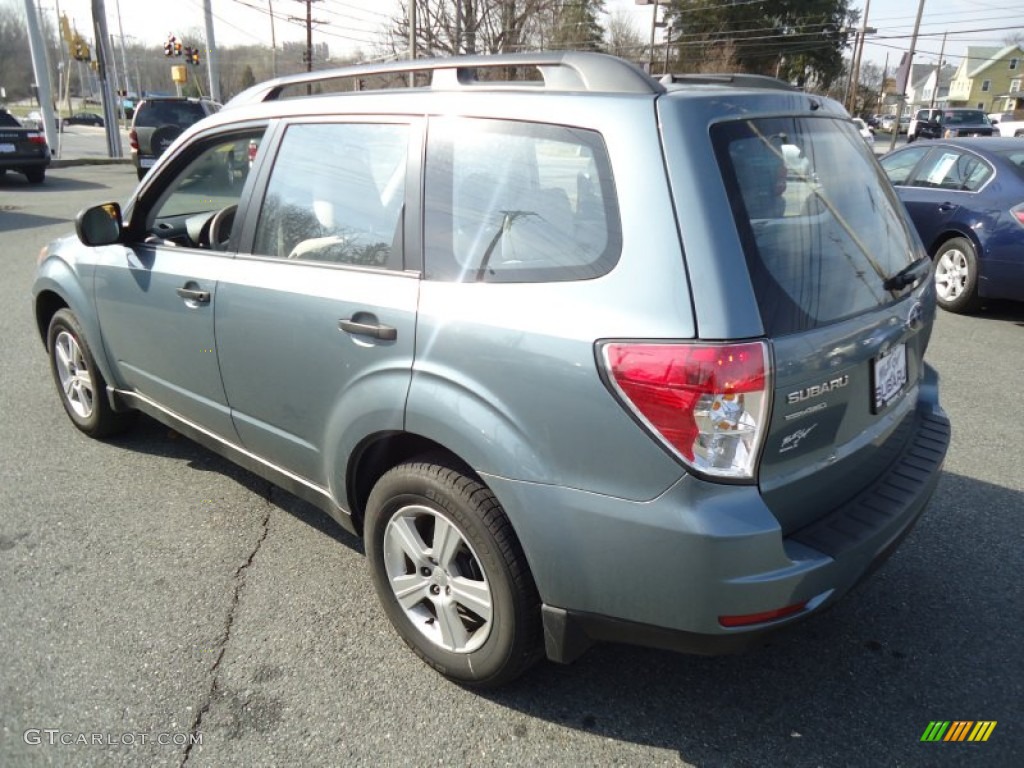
[
  {"x": 898, "y": 165},
  {"x": 336, "y": 194},
  {"x": 8, "y": 120},
  {"x": 517, "y": 202},
  {"x": 819, "y": 243},
  {"x": 156, "y": 113},
  {"x": 964, "y": 117}
]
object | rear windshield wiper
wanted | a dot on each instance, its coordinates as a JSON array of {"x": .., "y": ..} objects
[{"x": 909, "y": 275}]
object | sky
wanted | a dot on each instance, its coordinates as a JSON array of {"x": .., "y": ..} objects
[{"x": 355, "y": 24}]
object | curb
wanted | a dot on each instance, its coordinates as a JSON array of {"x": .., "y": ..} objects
[{"x": 75, "y": 161}]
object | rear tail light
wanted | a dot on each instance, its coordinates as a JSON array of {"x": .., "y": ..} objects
[
  {"x": 133, "y": 139},
  {"x": 707, "y": 403},
  {"x": 1018, "y": 213},
  {"x": 36, "y": 138}
]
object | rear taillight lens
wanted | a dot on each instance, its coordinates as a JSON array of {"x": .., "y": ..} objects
[
  {"x": 36, "y": 138},
  {"x": 133, "y": 139},
  {"x": 1018, "y": 213},
  {"x": 707, "y": 403}
]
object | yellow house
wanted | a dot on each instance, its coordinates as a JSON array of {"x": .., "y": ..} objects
[{"x": 989, "y": 78}]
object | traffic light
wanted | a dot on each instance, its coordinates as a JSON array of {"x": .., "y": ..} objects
[
  {"x": 194, "y": 57},
  {"x": 177, "y": 48},
  {"x": 169, "y": 47}
]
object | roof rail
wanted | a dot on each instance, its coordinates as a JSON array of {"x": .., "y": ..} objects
[
  {"x": 740, "y": 80},
  {"x": 562, "y": 71}
]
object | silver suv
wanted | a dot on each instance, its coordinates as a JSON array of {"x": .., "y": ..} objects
[{"x": 581, "y": 357}]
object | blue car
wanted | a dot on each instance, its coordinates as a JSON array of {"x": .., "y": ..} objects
[{"x": 966, "y": 199}]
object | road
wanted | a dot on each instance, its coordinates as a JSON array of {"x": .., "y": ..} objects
[{"x": 152, "y": 592}]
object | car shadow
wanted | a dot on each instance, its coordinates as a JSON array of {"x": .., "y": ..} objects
[
  {"x": 930, "y": 636},
  {"x": 11, "y": 220},
  {"x": 999, "y": 309},
  {"x": 153, "y": 438},
  {"x": 54, "y": 181}
]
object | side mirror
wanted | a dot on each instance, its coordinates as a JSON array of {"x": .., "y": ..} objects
[{"x": 99, "y": 225}]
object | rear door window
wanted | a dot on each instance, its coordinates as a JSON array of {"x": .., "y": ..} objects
[
  {"x": 948, "y": 168},
  {"x": 821, "y": 226}
]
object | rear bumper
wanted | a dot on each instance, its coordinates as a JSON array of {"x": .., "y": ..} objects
[
  {"x": 22, "y": 163},
  {"x": 662, "y": 573}
]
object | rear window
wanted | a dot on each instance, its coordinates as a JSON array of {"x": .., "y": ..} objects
[
  {"x": 180, "y": 113},
  {"x": 8, "y": 120},
  {"x": 820, "y": 224},
  {"x": 964, "y": 117}
]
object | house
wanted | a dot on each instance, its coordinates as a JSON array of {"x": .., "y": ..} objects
[
  {"x": 932, "y": 89},
  {"x": 989, "y": 79}
]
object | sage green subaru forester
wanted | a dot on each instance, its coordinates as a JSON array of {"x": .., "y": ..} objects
[{"x": 580, "y": 356}]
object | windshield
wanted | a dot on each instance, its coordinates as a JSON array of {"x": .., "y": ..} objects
[{"x": 821, "y": 226}]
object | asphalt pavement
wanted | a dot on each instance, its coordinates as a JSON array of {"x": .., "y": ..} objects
[{"x": 161, "y": 607}]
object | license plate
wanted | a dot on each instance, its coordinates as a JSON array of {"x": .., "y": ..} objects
[
  {"x": 146, "y": 162},
  {"x": 7, "y": 148},
  {"x": 889, "y": 373}
]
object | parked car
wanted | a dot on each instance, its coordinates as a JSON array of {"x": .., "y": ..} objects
[
  {"x": 921, "y": 117},
  {"x": 889, "y": 123},
  {"x": 954, "y": 123},
  {"x": 82, "y": 118},
  {"x": 157, "y": 122},
  {"x": 865, "y": 130},
  {"x": 1008, "y": 123},
  {"x": 22, "y": 149},
  {"x": 966, "y": 199},
  {"x": 461, "y": 319}
]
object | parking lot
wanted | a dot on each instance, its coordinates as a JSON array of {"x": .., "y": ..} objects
[{"x": 162, "y": 607}]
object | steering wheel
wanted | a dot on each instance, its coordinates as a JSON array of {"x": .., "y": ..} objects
[{"x": 220, "y": 227}]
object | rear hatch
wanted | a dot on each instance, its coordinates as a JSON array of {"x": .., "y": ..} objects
[
  {"x": 17, "y": 142},
  {"x": 844, "y": 295}
]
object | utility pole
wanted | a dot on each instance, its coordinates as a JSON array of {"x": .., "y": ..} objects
[
  {"x": 273, "y": 40},
  {"x": 938, "y": 72},
  {"x": 412, "y": 40},
  {"x": 864, "y": 29},
  {"x": 99, "y": 22},
  {"x": 309, "y": 37},
  {"x": 902, "y": 87},
  {"x": 41, "y": 73},
  {"x": 212, "y": 59}
]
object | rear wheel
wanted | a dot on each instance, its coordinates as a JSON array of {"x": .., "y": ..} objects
[
  {"x": 451, "y": 574},
  {"x": 79, "y": 382},
  {"x": 36, "y": 175},
  {"x": 956, "y": 275}
]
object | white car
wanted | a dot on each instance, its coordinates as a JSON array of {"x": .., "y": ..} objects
[{"x": 866, "y": 132}]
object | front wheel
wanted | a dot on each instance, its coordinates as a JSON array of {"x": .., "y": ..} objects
[
  {"x": 956, "y": 275},
  {"x": 451, "y": 574},
  {"x": 80, "y": 384}
]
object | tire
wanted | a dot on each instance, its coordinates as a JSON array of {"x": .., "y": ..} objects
[
  {"x": 141, "y": 172},
  {"x": 956, "y": 275},
  {"x": 163, "y": 137},
  {"x": 82, "y": 389},
  {"x": 472, "y": 614},
  {"x": 35, "y": 175}
]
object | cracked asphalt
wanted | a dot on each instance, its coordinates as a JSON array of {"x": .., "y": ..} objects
[{"x": 152, "y": 592}]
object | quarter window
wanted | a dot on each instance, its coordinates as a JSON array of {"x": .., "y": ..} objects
[
  {"x": 518, "y": 202},
  {"x": 336, "y": 195}
]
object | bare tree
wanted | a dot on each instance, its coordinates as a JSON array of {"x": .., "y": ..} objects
[{"x": 623, "y": 39}]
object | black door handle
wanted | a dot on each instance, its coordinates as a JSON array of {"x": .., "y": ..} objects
[
  {"x": 194, "y": 294},
  {"x": 376, "y": 330},
  {"x": 946, "y": 207}
]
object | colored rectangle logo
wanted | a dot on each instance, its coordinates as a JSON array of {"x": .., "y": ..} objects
[{"x": 958, "y": 730}]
